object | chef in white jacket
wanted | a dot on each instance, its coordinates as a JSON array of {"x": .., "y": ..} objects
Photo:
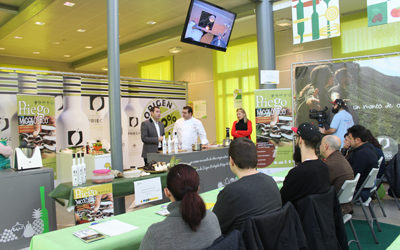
[{"x": 189, "y": 129}]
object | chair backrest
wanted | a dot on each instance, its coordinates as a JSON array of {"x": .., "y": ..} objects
[
  {"x": 380, "y": 161},
  {"x": 347, "y": 190},
  {"x": 369, "y": 182},
  {"x": 231, "y": 241},
  {"x": 281, "y": 229}
]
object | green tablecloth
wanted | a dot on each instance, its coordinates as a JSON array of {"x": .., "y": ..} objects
[
  {"x": 395, "y": 244},
  {"x": 64, "y": 238},
  {"x": 121, "y": 187}
]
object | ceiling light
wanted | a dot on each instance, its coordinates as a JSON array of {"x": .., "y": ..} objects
[
  {"x": 81, "y": 30},
  {"x": 36, "y": 52},
  {"x": 151, "y": 22},
  {"x": 283, "y": 22},
  {"x": 56, "y": 43},
  {"x": 69, "y": 4},
  {"x": 17, "y": 37},
  {"x": 175, "y": 50},
  {"x": 67, "y": 56},
  {"x": 88, "y": 47},
  {"x": 104, "y": 69},
  {"x": 40, "y": 23},
  {"x": 2, "y": 48}
]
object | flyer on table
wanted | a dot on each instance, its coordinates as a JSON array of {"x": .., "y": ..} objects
[{"x": 93, "y": 203}]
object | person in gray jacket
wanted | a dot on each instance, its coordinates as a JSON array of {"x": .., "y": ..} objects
[
  {"x": 152, "y": 131},
  {"x": 189, "y": 225}
]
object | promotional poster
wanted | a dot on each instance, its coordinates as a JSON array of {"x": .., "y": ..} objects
[
  {"x": 274, "y": 120},
  {"x": 80, "y": 111},
  {"x": 370, "y": 89},
  {"x": 37, "y": 126}
]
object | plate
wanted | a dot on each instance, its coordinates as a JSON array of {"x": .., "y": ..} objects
[{"x": 154, "y": 172}]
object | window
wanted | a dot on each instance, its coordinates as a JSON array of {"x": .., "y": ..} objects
[
  {"x": 159, "y": 69},
  {"x": 235, "y": 69}
]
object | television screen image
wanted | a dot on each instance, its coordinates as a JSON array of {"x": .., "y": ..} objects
[{"x": 208, "y": 25}]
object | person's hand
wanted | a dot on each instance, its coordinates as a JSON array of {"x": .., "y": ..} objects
[
  {"x": 313, "y": 100},
  {"x": 322, "y": 130},
  {"x": 204, "y": 146},
  {"x": 160, "y": 139}
]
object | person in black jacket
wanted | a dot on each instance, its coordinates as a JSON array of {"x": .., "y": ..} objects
[
  {"x": 253, "y": 194},
  {"x": 363, "y": 157},
  {"x": 311, "y": 175}
]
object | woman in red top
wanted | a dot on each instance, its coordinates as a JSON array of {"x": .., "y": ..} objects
[{"x": 242, "y": 127}]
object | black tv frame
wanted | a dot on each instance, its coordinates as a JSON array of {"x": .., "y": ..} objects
[{"x": 205, "y": 45}]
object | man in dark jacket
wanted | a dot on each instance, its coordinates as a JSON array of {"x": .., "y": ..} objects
[
  {"x": 311, "y": 175},
  {"x": 151, "y": 132},
  {"x": 363, "y": 157}
]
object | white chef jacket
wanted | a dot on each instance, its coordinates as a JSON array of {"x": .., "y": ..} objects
[{"x": 188, "y": 131}]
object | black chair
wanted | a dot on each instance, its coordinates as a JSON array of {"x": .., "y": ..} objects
[
  {"x": 322, "y": 221},
  {"x": 231, "y": 241},
  {"x": 275, "y": 230}
]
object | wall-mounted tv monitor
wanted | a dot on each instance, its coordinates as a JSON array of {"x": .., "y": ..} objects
[{"x": 208, "y": 25}]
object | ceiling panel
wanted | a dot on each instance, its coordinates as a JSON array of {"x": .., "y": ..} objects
[{"x": 59, "y": 36}]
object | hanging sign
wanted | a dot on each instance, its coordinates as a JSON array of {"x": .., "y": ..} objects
[
  {"x": 315, "y": 20},
  {"x": 383, "y": 12}
]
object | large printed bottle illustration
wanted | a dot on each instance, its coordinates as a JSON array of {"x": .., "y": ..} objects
[{"x": 72, "y": 124}]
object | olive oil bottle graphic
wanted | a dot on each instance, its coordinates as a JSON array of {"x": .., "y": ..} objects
[
  {"x": 315, "y": 21},
  {"x": 300, "y": 15}
]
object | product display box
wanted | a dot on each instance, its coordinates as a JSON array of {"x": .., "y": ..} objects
[{"x": 64, "y": 164}]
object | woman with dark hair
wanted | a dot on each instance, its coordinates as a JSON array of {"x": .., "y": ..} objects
[
  {"x": 189, "y": 225},
  {"x": 379, "y": 152}
]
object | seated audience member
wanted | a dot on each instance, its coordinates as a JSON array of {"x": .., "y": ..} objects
[
  {"x": 189, "y": 225},
  {"x": 363, "y": 157},
  {"x": 378, "y": 151},
  {"x": 311, "y": 175},
  {"x": 346, "y": 149},
  {"x": 339, "y": 168},
  {"x": 253, "y": 194}
]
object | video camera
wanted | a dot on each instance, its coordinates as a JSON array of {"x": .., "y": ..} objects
[{"x": 320, "y": 115}]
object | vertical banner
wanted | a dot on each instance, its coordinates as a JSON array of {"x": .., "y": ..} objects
[
  {"x": 315, "y": 20},
  {"x": 383, "y": 12},
  {"x": 273, "y": 128},
  {"x": 37, "y": 126},
  {"x": 93, "y": 203}
]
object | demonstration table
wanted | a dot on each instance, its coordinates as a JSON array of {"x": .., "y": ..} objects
[
  {"x": 121, "y": 187},
  {"x": 63, "y": 239},
  {"x": 211, "y": 164}
]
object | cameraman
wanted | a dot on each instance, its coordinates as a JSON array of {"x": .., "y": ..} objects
[{"x": 340, "y": 122}]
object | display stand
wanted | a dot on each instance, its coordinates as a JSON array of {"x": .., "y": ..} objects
[{"x": 26, "y": 208}]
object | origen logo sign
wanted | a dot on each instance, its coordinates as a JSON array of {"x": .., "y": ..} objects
[
  {"x": 133, "y": 122},
  {"x": 96, "y": 103},
  {"x": 75, "y": 137},
  {"x": 4, "y": 124}
]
